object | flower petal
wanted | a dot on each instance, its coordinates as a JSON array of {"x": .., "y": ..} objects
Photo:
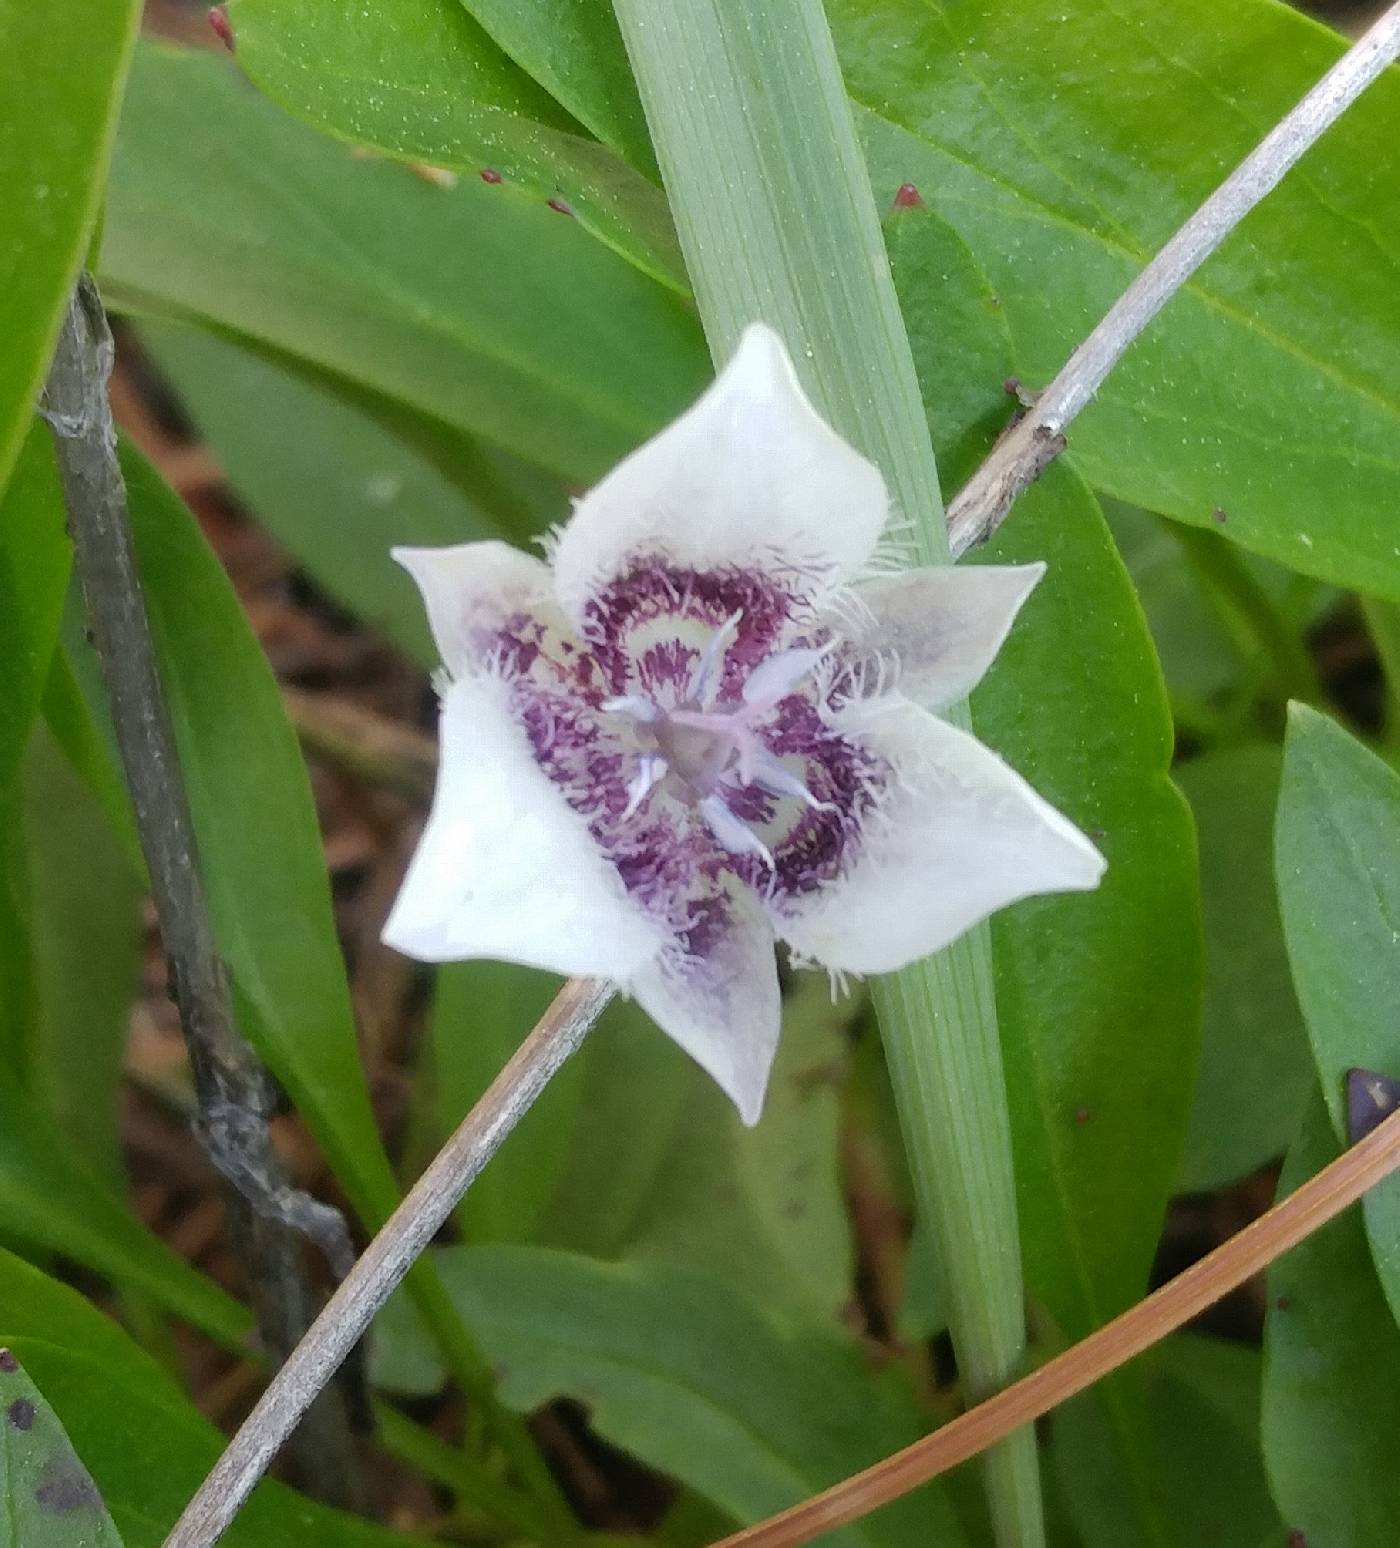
[
  {"x": 750, "y": 476},
  {"x": 722, "y": 1004},
  {"x": 470, "y": 590},
  {"x": 506, "y": 868},
  {"x": 941, "y": 627},
  {"x": 959, "y": 836}
]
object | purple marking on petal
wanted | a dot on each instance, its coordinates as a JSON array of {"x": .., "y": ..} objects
[
  {"x": 670, "y": 786},
  {"x": 652, "y": 588}
]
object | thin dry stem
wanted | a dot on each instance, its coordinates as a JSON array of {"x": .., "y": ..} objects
[
  {"x": 1033, "y": 442},
  {"x": 1319, "y": 1200},
  {"x": 386, "y": 1260},
  {"x": 267, "y": 1214}
]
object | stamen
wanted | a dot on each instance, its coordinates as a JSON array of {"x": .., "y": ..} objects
[
  {"x": 775, "y": 678},
  {"x": 769, "y": 774},
  {"x": 651, "y": 768},
  {"x": 635, "y": 706},
  {"x": 732, "y": 834},
  {"x": 702, "y": 688}
]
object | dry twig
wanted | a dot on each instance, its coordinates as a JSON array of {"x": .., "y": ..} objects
[
  {"x": 386, "y": 1260},
  {"x": 267, "y": 1214}
]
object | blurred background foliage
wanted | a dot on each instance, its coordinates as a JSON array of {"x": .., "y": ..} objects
[{"x": 403, "y": 273}]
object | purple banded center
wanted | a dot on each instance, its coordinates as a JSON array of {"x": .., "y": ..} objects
[{"x": 690, "y": 728}]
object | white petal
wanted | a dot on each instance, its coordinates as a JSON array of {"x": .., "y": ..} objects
[
  {"x": 961, "y": 836},
  {"x": 942, "y": 627},
  {"x": 471, "y": 589},
  {"x": 751, "y": 475},
  {"x": 725, "y": 1010},
  {"x": 506, "y": 868}
]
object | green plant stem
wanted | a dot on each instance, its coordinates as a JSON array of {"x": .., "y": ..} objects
[
  {"x": 777, "y": 222},
  {"x": 470, "y": 1483}
]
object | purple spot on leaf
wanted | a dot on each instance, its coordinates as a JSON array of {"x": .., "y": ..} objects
[
  {"x": 20, "y": 1413},
  {"x": 8, "y": 1363},
  {"x": 64, "y": 1488}
]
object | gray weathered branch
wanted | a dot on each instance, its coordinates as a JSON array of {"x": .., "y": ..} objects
[
  {"x": 267, "y": 1214},
  {"x": 386, "y": 1260}
]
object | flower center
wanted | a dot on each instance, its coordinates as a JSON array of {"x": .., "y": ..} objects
[{"x": 700, "y": 747}]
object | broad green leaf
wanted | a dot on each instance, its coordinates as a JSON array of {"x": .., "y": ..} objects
[
  {"x": 47, "y": 1194},
  {"x": 574, "y": 50},
  {"x": 47, "y": 1499},
  {"x": 1338, "y": 857},
  {"x": 61, "y": 71},
  {"x": 1204, "y": 1396},
  {"x": 86, "y": 935},
  {"x": 1065, "y": 147},
  {"x": 493, "y": 316},
  {"x": 1066, "y": 144},
  {"x": 1201, "y": 661},
  {"x": 51, "y": 1201},
  {"x": 1213, "y": 658},
  {"x": 1331, "y": 1376},
  {"x": 685, "y": 1374},
  {"x": 1256, "y": 1071},
  {"x": 34, "y": 562},
  {"x": 144, "y": 1443},
  {"x": 34, "y": 566},
  {"x": 761, "y": 1209},
  {"x": 259, "y": 843},
  {"x": 424, "y": 82},
  {"x": 337, "y": 493}
]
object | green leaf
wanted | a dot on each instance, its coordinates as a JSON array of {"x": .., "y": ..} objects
[
  {"x": 1201, "y": 660},
  {"x": 34, "y": 562},
  {"x": 47, "y": 1195},
  {"x": 337, "y": 493},
  {"x": 425, "y": 83},
  {"x": 258, "y": 838},
  {"x": 1065, "y": 146},
  {"x": 494, "y": 316},
  {"x": 686, "y": 1375},
  {"x": 1256, "y": 1071},
  {"x": 574, "y": 50},
  {"x": 87, "y": 939},
  {"x": 50, "y": 1200},
  {"x": 1204, "y": 1396},
  {"x": 1338, "y": 857},
  {"x": 49, "y": 1499},
  {"x": 1331, "y": 1376},
  {"x": 761, "y": 1208},
  {"x": 144, "y": 1443},
  {"x": 61, "y": 72},
  {"x": 34, "y": 565}
]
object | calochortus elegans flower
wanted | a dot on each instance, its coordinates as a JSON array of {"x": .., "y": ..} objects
[{"x": 708, "y": 719}]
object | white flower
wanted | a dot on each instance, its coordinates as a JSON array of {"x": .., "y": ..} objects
[{"x": 694, "y": 729}]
